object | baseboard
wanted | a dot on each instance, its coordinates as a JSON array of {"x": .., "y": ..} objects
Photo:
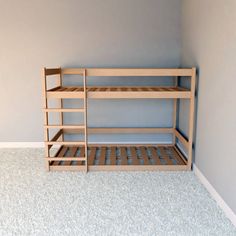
[
  {"x": 21, "y": 144},
  {"x": 220, "y": 201},
  {"x": 41, "y": 144}
]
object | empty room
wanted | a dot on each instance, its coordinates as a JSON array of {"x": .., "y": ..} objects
[{"x": 117, "y": 117}]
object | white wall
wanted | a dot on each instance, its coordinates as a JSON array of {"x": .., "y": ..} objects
[
  {"x": 74, "y": 33},
  {"x": 209, "y": 42}
]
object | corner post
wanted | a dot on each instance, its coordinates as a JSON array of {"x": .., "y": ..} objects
[
  {"x": 191, "y": 118},
  {"x": 45, "y": 106}
]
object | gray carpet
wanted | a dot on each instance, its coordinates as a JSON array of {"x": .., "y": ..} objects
[{"x": 35, "y": 202}]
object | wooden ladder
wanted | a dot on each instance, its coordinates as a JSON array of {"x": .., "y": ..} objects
[{"x": 62, "y": 126}]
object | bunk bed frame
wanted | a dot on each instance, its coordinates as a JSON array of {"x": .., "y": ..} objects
[{"x": 81, "y": 155}]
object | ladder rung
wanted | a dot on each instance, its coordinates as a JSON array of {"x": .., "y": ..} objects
[
  {"x": 65, "y": 158},
  {"x": 65, "y": 126},
  {"x": 65, "y": 142},
  {"x": 64, "y": 109}
]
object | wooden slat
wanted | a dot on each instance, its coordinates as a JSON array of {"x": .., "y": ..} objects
[
  {"x": 180, "y": 154},
  {"x": 103, "y": 93},
  {"x": 165, "y": 156},
  {"x": 72, "y": 151},
  {"x": 176, "y": 156},
  {"x": 113, "y": 156},
  {"x": 52, "y": 71},
  {"x": 102, "y": 156},
  {"x": 123, "y": 156},
  {"x": 181, "y": 138},
  {"x": 135, "y": 160},
  {"x": 81, "y": 154},
  {"x": 155, "y": 156},
  {"x": 144, "y": 155},
  {"x": 60, "y": 154},
  {"x": 92, "y": 156},
  {"x": 57, "y": 135},
  {"x": 129, "y": 95}
]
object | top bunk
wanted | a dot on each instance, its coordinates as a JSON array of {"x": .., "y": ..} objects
[{"x": 119, "y": 92}]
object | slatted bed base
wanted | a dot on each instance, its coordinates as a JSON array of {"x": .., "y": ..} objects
[
  {"x": 109, "y": 92},
  {"x": 122, "y": 157}
]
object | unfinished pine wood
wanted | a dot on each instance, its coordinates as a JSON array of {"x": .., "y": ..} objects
[
  {"x": 113, "y": 156},
  {"x": 134, "y": 157},
  {"x": 105, "y": 156},
  {"x": 85, "y": 120},
  {"x": 102, "y": 156},
  {"x": 126, "y": 130},
  {"x": 119, "y": 92},
  {"x": 155, "y": 156},
  {"x": 136, "y": 72},
  {"x": 144, "y": 155},
  {"x": 165, "y": 156},
  {"x": 53, "y": 71},
  {"x": 92, "y": 155},
  {"x": 60, "y": 154},
  {"x": 174, "y": 117},
  {"x": 72, "y": 151},
  {"x": 181, "y": 138},
  {"x": 45, "y": 106},
  {"x": 81, "y": 153},
  {"x": 191, "y": 118},
  {"x": 122, "y": 157}
]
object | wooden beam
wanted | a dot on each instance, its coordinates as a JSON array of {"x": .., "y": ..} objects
[
  {"x": 181, "y": 138},
  {"x": 72, "y": 71},
  {"x": 137, "y": 72},
  {"x": 52, "y": 71}
]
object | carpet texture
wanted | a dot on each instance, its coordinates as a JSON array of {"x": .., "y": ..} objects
[{"x": 35, "y": 202}]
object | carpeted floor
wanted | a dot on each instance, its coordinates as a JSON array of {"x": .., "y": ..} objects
[{"x": 35, "y": 202}]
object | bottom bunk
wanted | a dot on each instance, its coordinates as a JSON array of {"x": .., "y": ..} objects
[{"x": 119, "y": 157}]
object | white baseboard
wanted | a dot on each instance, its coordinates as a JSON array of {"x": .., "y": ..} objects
[
  {"x": 41, "y": 144},
  {"x": 21, "y": 144},
  {"x": 220, "y": 201}
]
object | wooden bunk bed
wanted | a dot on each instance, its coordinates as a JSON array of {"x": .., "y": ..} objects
[{"x": 81, "y": 155}]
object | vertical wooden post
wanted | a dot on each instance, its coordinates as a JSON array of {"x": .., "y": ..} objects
[
  {"x": 61, "y": 106},
  {"x": 85, "y": 121},
  {"x": 191, "y": 118},
  {"x": 45, "y": 106},
  {"x": 174, "y": 110}
]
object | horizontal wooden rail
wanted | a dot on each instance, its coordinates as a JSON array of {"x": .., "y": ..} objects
[
  {"x": 64, "y": 110},
  {"x": 129, "y": 71},
  {"x": 64, "y": 126},
  {"x": 65, "y": 158},
  {"x": 121, "y": 130},
  {"x": 65, "y": 142},
  {"x": 73, "y": 71},
  {"x": 181, "y": 138},
  {"x": 122, "y": 95},
  {"x": 52, "y": 71}
]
